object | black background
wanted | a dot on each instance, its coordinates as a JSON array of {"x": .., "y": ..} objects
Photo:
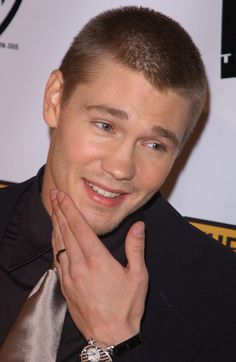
[{"x": 228, "y": 41}]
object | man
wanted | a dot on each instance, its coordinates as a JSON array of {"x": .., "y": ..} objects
[{"x": 123, "y": 102}]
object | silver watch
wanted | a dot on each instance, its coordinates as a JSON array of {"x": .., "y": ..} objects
[{"x": 95, "y": 352}]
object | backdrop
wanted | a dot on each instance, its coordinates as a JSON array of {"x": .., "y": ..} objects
[{"x": 34, "y": 36}]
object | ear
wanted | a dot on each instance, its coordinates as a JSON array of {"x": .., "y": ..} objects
[{"x": 52, "y": 99}]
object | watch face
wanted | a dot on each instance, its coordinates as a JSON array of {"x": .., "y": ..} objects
[{"x": 93, "y": 354}]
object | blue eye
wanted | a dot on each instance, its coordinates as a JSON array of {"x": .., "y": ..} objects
[
  {"x": 104, "y": 126},
  {"x": 156, "y": 146}
]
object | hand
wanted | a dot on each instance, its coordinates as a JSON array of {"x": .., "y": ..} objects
[{"x": 106, "y": 300}]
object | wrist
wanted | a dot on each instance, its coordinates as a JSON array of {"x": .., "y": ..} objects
[{"x": 113, "y": 335}]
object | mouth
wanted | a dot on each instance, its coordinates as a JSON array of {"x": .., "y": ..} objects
[
  {"x": 102, "y": 192},
  {"x": 103, "y": 195}
]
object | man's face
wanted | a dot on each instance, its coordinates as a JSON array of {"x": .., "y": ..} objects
[{"x": 113, "y": 143}]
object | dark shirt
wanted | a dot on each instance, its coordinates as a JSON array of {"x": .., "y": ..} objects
[{"x": 26, "y": 254}]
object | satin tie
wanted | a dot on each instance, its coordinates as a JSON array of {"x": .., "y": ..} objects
[{"x": 36, "y": 334}]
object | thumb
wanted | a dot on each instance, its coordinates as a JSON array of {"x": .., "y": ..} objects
[{"x": 135, "y": 245}]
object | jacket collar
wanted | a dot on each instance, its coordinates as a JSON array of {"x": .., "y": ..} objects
[
  {"x": 173, "y": 239},
  {"x": 175, "y": 252},
  {"x": 34, "y": 233},
  {"x": 9, "y": 197}
]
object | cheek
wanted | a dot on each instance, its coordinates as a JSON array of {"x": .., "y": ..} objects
[
  {"x": 77, "y": 149},
  {"x": 149, "y": 183},
  {"x": 151, "y": 175}
]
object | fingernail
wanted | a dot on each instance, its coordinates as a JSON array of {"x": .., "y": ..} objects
[
  {"x": 53, "y": 194},
  {"x": 139, "y": 229}
]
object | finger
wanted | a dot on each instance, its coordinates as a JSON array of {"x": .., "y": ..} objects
[
  {"x": 58, "y": 244},
  {"x": 86, "y": 238},
  {"x": 56, "y": 263},
  {"x": 61, "y": 266},
  {"x": 64, "y": 237},
  {"x": 135, "y": 246}
]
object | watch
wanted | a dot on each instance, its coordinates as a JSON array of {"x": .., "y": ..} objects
[{"x": 96, "y": 351}]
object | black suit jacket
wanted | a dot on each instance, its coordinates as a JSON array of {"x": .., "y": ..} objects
[{"x": 190, "y": 311}]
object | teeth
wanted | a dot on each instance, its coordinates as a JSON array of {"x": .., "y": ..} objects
[{"x": 102, "y": 192}]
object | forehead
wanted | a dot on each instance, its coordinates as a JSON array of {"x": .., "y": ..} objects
[{"x": 130, "y": 95}]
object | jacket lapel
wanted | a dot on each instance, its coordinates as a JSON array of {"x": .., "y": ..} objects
[
  {"x": 9, "y": 196},
  {"x": 172, "y": 248}
]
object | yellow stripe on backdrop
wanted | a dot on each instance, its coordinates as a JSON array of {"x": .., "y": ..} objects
[
  {"x": 224, "y": 233},
  {"x": 5, "y": 184}
]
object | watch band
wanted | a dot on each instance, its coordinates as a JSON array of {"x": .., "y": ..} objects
[
  {"x": 96, "y": 351},
  {"x": 127, "y": 345}
]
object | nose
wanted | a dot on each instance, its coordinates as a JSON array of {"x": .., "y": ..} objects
[{"x": 119, "y": 162}]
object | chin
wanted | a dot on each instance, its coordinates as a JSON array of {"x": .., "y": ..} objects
[{"x": 101, "y": 229}]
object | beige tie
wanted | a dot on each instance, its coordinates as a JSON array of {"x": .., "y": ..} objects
[{"x": 36, "y": 334}]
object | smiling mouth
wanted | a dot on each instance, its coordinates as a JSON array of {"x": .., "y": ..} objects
[{"x": 100, "y": 191}]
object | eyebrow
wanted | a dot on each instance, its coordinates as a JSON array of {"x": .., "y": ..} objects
[
  {"x": 163, "y": 132},
  {"x": 114, "y": 112},
  {"x": 122, "y": 115}
]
